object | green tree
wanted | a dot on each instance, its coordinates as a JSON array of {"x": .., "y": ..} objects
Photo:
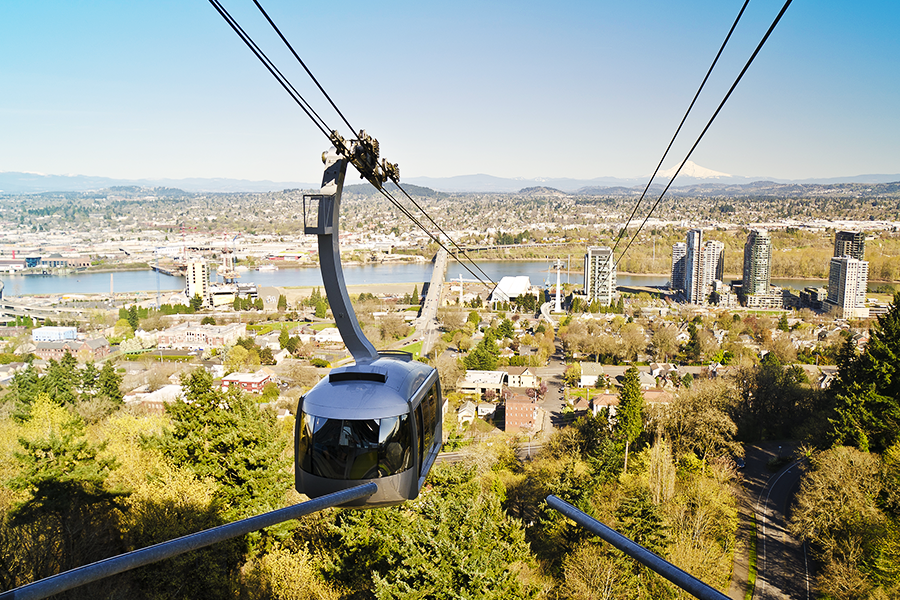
[
  {"x": 89, "y": 378},
  {"x": 630, "y": 411},
  {"x": 266, "y": 357},
  {"x": 283, "y": 338},
  {"x": 321, "y": 309},
  {"x": 132, "y": 317},
  {"x": 642, "y": 520},
  {"x": 692, "y": 348},
  {"x": 506, "y": 329},
  {"x": 196, "y": 302},
  {"x": 572, "y": 374},
  {"x": 236, "y": 305},
  {"x": 783, "y": 323},
  {"x": 69, "y": 511},
  {"x": 282, "y": 303},
  {"x": 224, "y": 436},
  {"x": 455, "y": 537},
  {"x": 109, "y": 383},
  {"x": 484, "y": 356},
  {"x": 208, "y": 320},
  {"x": 866, "y": 393}
]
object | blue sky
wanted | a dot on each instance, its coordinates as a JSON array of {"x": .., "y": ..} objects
[{"x": 514, "y": 89}]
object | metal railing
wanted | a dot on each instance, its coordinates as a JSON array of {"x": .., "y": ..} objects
[
  {"x": 684, "y": 580},
  {"x": 151, "y": 554}
]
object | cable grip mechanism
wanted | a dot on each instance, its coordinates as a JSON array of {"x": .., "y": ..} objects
[{"x": 362, "y": 153}]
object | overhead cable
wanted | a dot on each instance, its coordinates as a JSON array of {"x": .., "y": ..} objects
[
  {"x": 705, "y": 129},
  {"x": 406, "y": 212},
  {"x": 303, "y": 64},
  {"x": 680, "y": 125},
  {"x": 292, "y": 92},
  {"x": 328, "y": 132}
]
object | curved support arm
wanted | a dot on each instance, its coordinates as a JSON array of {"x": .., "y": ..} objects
[{"x": 327, "y": 230}]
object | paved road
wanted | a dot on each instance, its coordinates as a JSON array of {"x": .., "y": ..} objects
[
  {"x": 783, "y": 568},
  {"x": 553, "y": 401}
]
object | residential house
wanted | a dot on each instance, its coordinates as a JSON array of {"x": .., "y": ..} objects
[
  {"x": 486, "y": 409},
  {"x": 525, "y": 377},
  {"x": 329, "y": 335},
  {"x": 466, "y": 413},
  {"x": 591, "y": 372},
  {"x": 248, "y": 382},
  {"x": 478, "y": 382},
  {"x": 155, "y": 401}
]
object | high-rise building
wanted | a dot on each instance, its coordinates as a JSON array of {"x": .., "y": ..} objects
[
  {"x": 850, "y": 243},
  {"x": 693, "y": 272},
  {"x": 847, "y": 281},
  {"x": 197, "y": 278},
  {"x": 757, "y": 261},
  {"x": 713, "y": 263},
  {"x": 704, "y": 263},
  {"x": 599, "y": 275},
  {"x": 679, "y": 251}
]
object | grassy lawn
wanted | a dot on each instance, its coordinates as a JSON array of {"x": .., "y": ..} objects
[
  {"x": 264, "y": 328},
  {"x": 751, "y": 576},
  {"x": 415, "y": 348}
]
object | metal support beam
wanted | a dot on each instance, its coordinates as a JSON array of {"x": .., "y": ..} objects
[
  {"x": 327, "y": 230},
  {"x": 151, "y": 554},
  {"x": 684, "y": 580}
]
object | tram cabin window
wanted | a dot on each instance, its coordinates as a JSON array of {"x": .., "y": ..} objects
[{"x": 354, "y": 449}]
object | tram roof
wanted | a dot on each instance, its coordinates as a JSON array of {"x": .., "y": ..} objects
[{"x": 372, "y": 390}]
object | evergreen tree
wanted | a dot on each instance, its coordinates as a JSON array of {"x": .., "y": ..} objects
[
  {"x": 630, "y": 412},
  {"x": 415, "y": 295},
  {"x": 224, "y": 436},
  {"x": 282, "y": 303},
  {"x": 484, "y": 356},
  {"x": 109, "y": 383},
  {"x": 321, "y": 309},
  {"x": 236, "y": 305},
  {"x": 692, "y": 348},
  {"x": 642, "y": 521},
  {"x": 866, "y": 392},
  {"x": 506, "y": 329},
  {"x": 283, "y": 338},
  {"x": 69, "y": 510},
  {"x": 196, "y": 302},
  {"x": 783, "y": 323},
  {"x": 132, "y": 317},
  {"x": 89, "y": 378}
]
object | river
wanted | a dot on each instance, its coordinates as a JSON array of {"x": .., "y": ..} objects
[{"x": 134, "y": 281}]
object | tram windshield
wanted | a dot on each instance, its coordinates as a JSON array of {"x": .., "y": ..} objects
[{"x": 354, "y": 449}]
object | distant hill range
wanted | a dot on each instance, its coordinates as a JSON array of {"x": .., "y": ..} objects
[
  {"x": 693, "y": 179},
  {"x": 692, "y": 175},
  {"x": 33, "y": 183}
]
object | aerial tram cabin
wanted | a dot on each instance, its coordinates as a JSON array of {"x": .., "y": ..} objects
[{"x": 377, "y": 420}]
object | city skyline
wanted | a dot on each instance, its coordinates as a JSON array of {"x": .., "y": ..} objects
[{"x": 169, "y": 91}]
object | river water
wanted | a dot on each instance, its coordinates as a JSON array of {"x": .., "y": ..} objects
[{"x": 133, "y": 281}]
